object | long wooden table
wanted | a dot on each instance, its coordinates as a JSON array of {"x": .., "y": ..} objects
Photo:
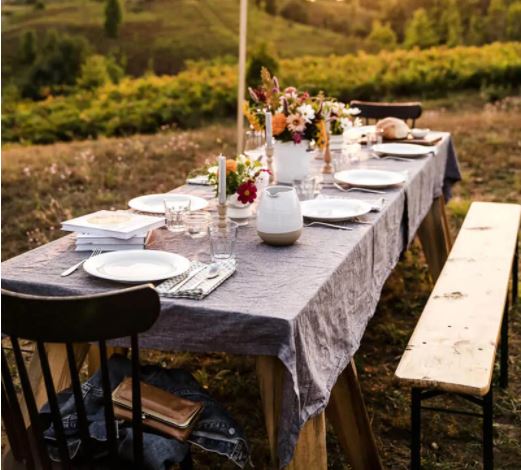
[{"x": 346, "y": 410}]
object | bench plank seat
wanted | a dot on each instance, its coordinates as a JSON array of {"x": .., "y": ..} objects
[{"x": 454, "y": 344}]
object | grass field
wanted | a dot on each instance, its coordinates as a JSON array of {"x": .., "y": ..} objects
[
  {"x": 42, "y": 185},
  {"x": 171, "y": 32}
]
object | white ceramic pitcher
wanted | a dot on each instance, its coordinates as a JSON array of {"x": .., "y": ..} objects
[{"x": 279, "y": 218}]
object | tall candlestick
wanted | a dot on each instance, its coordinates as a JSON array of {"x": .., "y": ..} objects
[
  {"x": 269, "y": 143},
  {"x": 222, "y": 179},
  {"x": 269, "y": 130}
]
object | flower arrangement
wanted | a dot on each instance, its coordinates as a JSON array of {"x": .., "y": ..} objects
[
  {"x": 340, "y": 117},
  {"x": 297, "y": 116},
  {"x": 241, "y": 178}
]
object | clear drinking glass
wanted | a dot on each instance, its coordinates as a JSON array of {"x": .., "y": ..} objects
[
  {"x": 174, "y": 212},
  {"x": 196, "y": 223},
  {"x": 306, "y": 188},
  {"x": 222, "y": 240}
]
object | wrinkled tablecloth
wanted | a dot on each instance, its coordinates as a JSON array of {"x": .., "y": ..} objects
[{"x": 308, "y": 304}]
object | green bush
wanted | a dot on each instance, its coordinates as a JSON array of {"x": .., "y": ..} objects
[{"x": 208, "y": 91}]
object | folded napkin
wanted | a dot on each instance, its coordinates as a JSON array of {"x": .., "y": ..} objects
[{"x": 194, "y": 288}]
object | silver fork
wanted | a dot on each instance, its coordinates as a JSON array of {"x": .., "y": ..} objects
[
  {"x": 363, "y": 190},
  {"x": 324, "y": 224},
  {"x": 77, "y": 265}
]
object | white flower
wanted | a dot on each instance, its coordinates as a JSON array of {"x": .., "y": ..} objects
[
  {"x": 213, "y": 170},
  {"x": 358, "y": 122},
  {"x": 279, "y": 110},
  {"x": 346, "y": 123},
  {"x": 353, "y": 111},
  {"x": 307, "y": 112}
]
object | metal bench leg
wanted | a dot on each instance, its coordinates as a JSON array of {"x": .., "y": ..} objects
[
  {"x": 488, "y": 444},
  {"x": 503, "y": 371},
  {"x": 415, "y": 429}
]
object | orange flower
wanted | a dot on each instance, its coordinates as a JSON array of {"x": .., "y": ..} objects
[
  {"x": 278, "y": 123},
  {"x": 231, "y": 166}
]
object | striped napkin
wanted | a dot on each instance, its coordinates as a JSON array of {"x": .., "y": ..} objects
[{"x": 194, "y": 288}]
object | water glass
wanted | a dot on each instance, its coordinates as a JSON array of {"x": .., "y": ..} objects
[
  {"x": 374, "y": 137},
  {"x": 196, "y": 224},
  {"x": 222, "y": 240},
  {"x": 174, "y": 213},
  {"x": 306, "y": 188}
]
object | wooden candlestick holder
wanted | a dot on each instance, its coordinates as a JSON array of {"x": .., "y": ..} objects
[
  {"x": 269, "y": 156},
  {"x": 221, "y": 210},
  {"x": 327, "y": 168}
]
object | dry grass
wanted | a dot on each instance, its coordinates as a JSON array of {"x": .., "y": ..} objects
[{"x": 41, "y": 185}]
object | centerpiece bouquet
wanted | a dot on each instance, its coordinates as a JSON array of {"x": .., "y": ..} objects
[
  {"x": 340, "y": 117},
  {"x": 297, "y": 116},
  {"x": 297, "y": 124},
  {"x": 243, "y": 178}
]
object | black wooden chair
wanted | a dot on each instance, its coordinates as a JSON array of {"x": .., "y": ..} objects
[
  {"x": 408, "y": 112},
  {"x": 68, "y": 320}
]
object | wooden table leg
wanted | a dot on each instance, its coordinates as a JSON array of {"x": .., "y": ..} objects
[
  {"x": 57, "y": 357},
  {"x": 94, "y": 362},
  {"x": 310, "y": 452},
  {"x": 347, "y": 414},
  {"x": 435, "y": 237}
]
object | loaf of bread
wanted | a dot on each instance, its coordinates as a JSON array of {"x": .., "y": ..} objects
[{"x": 393, "y": 128}]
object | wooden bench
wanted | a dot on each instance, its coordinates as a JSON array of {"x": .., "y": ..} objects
[{"x": 453, "y": 347}]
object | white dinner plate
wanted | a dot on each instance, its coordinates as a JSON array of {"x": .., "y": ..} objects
[
  {"x": 334, "y": 210},
  {"x": 154, "y": 203},
  {"x": 402, "y": 150},
  {"x": 136, "y": 266},
  {"x": 367, "y": 178}
]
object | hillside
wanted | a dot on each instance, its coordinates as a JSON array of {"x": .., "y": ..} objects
[{"x": 167, "y": 32}]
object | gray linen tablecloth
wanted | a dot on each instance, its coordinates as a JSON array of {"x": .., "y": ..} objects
[{"x": 307, "y": 304}]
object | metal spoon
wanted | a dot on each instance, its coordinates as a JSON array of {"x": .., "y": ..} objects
[{"x": 212, "y": 272}]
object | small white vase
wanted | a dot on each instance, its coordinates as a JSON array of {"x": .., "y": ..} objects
[
  {"x": 291, "y": 161},
  {"x": 237, "y": 211}
]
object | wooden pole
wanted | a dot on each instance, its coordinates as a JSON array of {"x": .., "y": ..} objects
[{"x": 242, "y": 74}]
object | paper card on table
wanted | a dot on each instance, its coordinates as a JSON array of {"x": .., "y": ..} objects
[{"x": 118, "y": 224}]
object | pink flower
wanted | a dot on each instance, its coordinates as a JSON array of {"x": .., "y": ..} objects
[
  {"x": 297, "y": 137},
  {"x": 296, "y": 122},
  {"x": 247, "y": 192}
]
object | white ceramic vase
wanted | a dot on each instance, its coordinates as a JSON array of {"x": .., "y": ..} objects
[
  {"x": 237, "y": 211},
  {"x": 291, "y": 161},
  {"x": 279, "y": 217}
]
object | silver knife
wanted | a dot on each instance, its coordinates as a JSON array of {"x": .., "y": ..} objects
[{"x": 188, "y": 278}]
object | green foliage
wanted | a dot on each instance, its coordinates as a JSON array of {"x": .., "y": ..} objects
[
  {"x": 27, "y": 50},
  {"x": 420, "y": 31},
  {"x": 205, "y": 91},
  {"x": 514, "y": 21},
  {"x": 476, "y": 30},
  {"x": 451, "y": 21},
  {"x": 295, "y": 11},
  {"x": 496, "y": 20},
  {"x": 270, "y": 6},
  {"x": 382, "y": 37},
  {"x": 97, "y": 71},
  {"x": 57, "y": 63},
  {"x": 113, "y": 17},
  {"x": 261, "y": 57}
]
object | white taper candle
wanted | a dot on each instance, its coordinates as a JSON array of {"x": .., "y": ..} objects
[
  {"x": 269, "y": 129},
  {"x": 222, "y": 179}
]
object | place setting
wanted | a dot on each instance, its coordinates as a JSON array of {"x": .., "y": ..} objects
[{"x": 117, "y": 241}]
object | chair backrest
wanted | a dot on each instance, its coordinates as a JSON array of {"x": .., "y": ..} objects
[
  {"x": 373, "y": 111},
  {"x": 68, "y": 320}
]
